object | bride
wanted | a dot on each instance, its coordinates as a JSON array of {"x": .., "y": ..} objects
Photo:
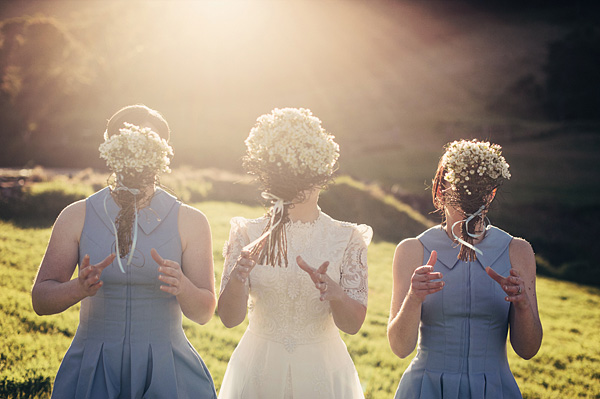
[{"x": 301, "y": 274}]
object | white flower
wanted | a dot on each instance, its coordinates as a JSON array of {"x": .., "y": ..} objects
[
  {"x": 136, "y": 149},
  {"x": 464, "y": 159},
  {"x": 293, "y": 137}
]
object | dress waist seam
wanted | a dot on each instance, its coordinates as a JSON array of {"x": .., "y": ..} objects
[{"x": 285, "y": 339}]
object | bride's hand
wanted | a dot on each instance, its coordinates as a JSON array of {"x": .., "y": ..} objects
[
  {"x": 243, "y": 266},
  {"x": 329, "y": 289}
]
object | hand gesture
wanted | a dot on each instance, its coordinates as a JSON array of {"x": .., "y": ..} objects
[
  {"x": 243, "y": 266},
  {"x": 421, "y": 283},
  {"x": 328, "y": 288},
  {"x": 89, "y": 275},
  {"x": 513, "y": 285},
  {"x": 171, "y": 273}
]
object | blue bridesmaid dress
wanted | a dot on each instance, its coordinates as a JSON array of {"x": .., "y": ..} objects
[
  {"x": 130, "y": 342},
  {"x": 462, "y": 336}
]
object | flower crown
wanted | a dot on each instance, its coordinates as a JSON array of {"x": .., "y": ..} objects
[
  {"x": 136, "y": 149},
  {"x": 474, "y": 163},
  {"x": 292, "y": 139}
]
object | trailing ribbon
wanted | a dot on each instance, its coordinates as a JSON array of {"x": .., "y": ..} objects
[
  {"x": 466, "y": 221},
  {"x": 135, "y": 192},
  {"x": 277, "y": 208}
]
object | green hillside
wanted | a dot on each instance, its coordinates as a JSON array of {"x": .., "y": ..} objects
[{"x": 32, "y": 346}]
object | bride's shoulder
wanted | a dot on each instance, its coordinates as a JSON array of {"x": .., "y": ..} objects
[
  {"x": 361, "y": 229},
  {"x": 240, "y": 221}
]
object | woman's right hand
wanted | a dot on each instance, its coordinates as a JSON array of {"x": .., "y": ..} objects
[
  {"x": 89, "y": 275},
  {"x": 243, "y": 266},
  {"x": 421, "y": 283}
]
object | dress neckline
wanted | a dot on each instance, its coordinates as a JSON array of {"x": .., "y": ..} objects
[{"x": 299, "y": 224}]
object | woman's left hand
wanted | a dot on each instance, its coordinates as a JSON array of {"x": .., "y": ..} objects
[
  {"x": 329, "y": 289},
  {"x": 171, "y": 273},
  {"x": 513, "y": 286}
]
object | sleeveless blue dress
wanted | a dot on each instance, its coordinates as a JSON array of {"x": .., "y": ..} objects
[
  {"x": 130, "y": 342},
  {"x": 461, "y": 351}
]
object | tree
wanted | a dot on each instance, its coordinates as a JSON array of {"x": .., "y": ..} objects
[{"x": 44, "y": 72}]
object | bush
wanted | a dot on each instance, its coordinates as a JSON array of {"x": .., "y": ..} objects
[
  {"x": 32, "y": 387},
  {"x": 44, "y": 200},
  {"x": 391, "y": 220}
]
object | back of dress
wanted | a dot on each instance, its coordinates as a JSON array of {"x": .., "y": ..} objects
[
  {"x": 130, "y": 342},
  {"x": 461, "y": 351}
]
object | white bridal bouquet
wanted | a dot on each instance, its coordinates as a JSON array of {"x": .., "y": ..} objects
[
  {"x": 474, "y": 162},
  {"x": 293, "y": 138},
  {"x": 136, "y": 149}
]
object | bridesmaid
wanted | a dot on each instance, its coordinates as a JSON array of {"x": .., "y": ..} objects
[
  {"x": 130, "y": 342},
  {"x": 459, "y": 286}
]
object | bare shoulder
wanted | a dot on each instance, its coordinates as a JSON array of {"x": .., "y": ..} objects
[
  {"x": 192, "y": 220},
  {"x": 409, "y": 254},
  {"x": 410, "y": 246},
  {"x": 74, "y": 210},
  {"x": 71, "y": 219},
  {"x": 521, "y": 255}
]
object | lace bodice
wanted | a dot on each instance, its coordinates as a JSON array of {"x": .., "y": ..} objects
[{"x": 283, "y": 302}]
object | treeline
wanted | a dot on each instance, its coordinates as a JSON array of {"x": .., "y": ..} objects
[
  {"x": 37, "y": 197},
  {"x": 58, "y": 83}
]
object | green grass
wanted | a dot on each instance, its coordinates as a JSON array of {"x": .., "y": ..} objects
[{"x": 32, "y": 346}]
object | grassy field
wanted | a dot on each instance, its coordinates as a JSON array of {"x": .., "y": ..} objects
[{"x": 32, "y": 346}]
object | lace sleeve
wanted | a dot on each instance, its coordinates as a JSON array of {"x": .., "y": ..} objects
[
  {"x": 354, "y": 274},
  {"x": 238, "y": 238}
]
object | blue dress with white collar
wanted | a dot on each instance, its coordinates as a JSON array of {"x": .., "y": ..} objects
[{"x": 461, "y": 351}]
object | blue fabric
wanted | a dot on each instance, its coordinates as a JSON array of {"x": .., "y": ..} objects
[
  {"x": 130, "y": 342},
  {"x": 462, "y": 335}
]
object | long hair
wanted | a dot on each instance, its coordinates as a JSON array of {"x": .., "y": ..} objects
[
  {"x": 482, "y": 193},
  {"x": 289, "y": 153},
  {"x": 289, "y": 187},
  {"x": 139, "y": 115}
]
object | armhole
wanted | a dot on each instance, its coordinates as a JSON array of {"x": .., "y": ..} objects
[
  {"x": 510, "y": 260},
  {"x": 79, "y": 234},
  {"x": 179, "y": 204},
  {"x": 85, "y": 203}
]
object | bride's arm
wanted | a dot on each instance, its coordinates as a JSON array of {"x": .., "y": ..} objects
[
  {"x": 348, "y": 314},
  {"x": 233, "y": 302},
  {"x": 233, "y": 299}
]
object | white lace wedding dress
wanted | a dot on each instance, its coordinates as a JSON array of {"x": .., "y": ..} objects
[{"x": 292, "y": 347}]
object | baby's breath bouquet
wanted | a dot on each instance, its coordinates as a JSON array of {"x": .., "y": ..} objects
[
  {"x": 289, "y": 153},
  {"x": 472, "y": 171},
  {"x": 136, "y": 156},
  {"x": 136, "y": 149},
  {"x": 474, "y": 165},
  {"x": 292, "y": 140}
]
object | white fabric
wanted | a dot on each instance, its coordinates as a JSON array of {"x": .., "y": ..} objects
[{"x": 292, "y": 347}]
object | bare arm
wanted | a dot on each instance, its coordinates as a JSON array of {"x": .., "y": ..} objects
[
  {"x": 348, "y": 314},
  {"x": 53, "y": 290},
  {"x": 411, "y": 284},
  {"x": 233, "y": 301},
  {"x": 525, "y": 325},
  {"x": 193, "y": 282}
]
